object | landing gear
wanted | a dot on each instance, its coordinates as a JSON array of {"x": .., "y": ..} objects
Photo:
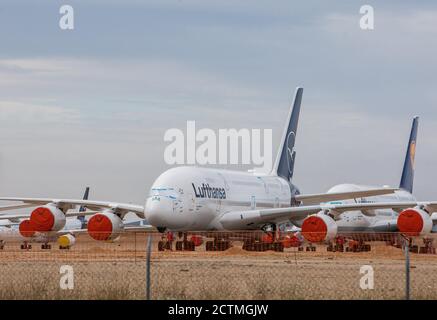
[
  {"x": 310, "y": 247},
  {"x": 358, "y": 246},
  {"x": 428, "y": 247},
  {"x": 217, "y": 245},
  {"x": 270, "y": 240},
  {"x": 185, "y": 244},
  {"x": 166, "y": 242},
  {"x": 164, "y": 245},
  {"x": 276, "y": 246},
  {"x": 2, "y": 244},
  {"x": 64, "y": 248},
  {"x": 338, "y": 246},
  {"x": 26, "y": 246},
  {"x": 46, "y": 246}
]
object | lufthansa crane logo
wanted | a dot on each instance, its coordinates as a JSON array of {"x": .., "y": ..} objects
[
  {"x": 290, "y": 150},
  {"x": 412, "y": 152}
]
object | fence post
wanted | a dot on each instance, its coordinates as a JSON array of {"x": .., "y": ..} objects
[
  {"x": 149, "y": 249},
  {"x": 407, "y": 269}
]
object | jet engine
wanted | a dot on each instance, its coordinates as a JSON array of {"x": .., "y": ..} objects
[
  {"x": 319, "y": 228},
  {"x": 26, "y": 228},
  {"x": 47, "y": 218},
  {"x": 414, "y": 222},
  {"x": 105, "y": 226}
]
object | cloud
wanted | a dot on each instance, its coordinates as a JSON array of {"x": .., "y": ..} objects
[
  {"x": 91, "y": 106},
  {"x": 17, "y": 113}
]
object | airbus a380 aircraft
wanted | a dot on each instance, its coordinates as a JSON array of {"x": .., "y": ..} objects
[
  {"x": 201, "y": 199},
  {"x": 385, "y": 213}
]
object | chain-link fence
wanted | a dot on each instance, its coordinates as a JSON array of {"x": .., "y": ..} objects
[{"x": 237, "y": 265}]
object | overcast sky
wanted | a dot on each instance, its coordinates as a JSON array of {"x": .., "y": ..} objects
[{"x": 90, "y": 106}]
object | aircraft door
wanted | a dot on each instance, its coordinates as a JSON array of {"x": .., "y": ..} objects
[{"x": 191, "y": 202}]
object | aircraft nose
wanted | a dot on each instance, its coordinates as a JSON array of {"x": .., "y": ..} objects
[
  {"x": 161, "y": 212},
  {"x": 158, "y": 211}
]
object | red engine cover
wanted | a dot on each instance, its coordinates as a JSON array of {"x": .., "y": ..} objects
[
  {"x": 100, "y": 227},
  {"x": 26, "y": 228},
  {"x": 414, "y": 221},
  {"x": 47, "y": 218},
  {"x": 42, "y": 219},
  {"x": 319, "y": 228},
  {"x": 314, "y": 229}
]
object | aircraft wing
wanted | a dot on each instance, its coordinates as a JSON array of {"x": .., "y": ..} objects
[
  {"x": 8, "y": 223},
  {"x": 14, "y": 217},
  {"x": 125, "y": 230},
  {"x": 254, "y": 218},
  {"x": 90, "y": 204},
  {"x": 139, "y": 228},
  {"x": 310, "y": 199},
  {"x": 16, "y": 206}
]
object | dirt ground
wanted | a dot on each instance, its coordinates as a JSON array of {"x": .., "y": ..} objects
[{"x": 118, "y": 271}]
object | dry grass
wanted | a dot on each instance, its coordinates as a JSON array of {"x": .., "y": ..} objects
[{"x": 118, "y": 271}]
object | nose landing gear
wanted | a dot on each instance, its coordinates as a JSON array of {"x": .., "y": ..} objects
[{"x": 166, "y": 242}]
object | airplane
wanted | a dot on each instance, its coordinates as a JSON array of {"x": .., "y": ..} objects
[
  {"x": 19, "y": 228},
  {"x": 22, "y": 229},
  {"x": 389, "y": 217},
  {"x": 190, "y": 198}
]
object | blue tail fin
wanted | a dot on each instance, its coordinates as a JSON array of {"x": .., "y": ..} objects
[
  {"x": 408, "y": 170},
  {"x": 284, "y": 164},
  {"x": 82, "y": 208}
]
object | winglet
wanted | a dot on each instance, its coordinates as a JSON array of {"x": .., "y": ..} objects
[{"x": 284, "y": 163}]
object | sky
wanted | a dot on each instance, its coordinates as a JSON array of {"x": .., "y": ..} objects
[{"x": 90, "y": 106}]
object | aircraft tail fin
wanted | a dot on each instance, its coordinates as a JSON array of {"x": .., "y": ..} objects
[
  {"x": 407, "y": 178},
  {"x": 284, "y": 164},
  {"x": 82, "y": 208}
]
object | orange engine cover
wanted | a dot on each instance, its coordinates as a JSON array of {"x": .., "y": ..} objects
[
  {"x": 414, "y": 222},
  {"x": 26, "y": 228},
  {"x": 318, "y": 228},
  {"x": 104, "y": 226},
  {"x": 47, "y": 218}
]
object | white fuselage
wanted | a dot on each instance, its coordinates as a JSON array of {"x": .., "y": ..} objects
[{"x": 193, "y": 198}]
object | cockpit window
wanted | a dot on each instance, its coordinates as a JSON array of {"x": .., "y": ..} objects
[{"x": 163, "y": 192}]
